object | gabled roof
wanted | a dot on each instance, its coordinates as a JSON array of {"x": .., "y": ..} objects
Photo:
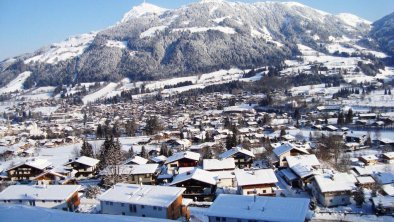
[
  {"x": 162, "y": 196},
  {"x": 132, "y": 169},
  {"x": 196, "y": 174},
  {"x": 87, "y": 161},
  {"x": 35, "y": 163},
  {"x": 215, "y": 164},
  {"x": 35, "y": 192},
  {"x": 286, "y": 147},
  {"x": 259, "y": 208},
  {"x": 389, "y": 155},
  {"x": 335, "y": 182},
  {"x": 136, "y": 160},
  {"x": 187, "y": 155},
  {"x": 158, "y": 159},
  {"x": 255, "y": 177},
  {"x": 50, "y": 172},
  {"x": 235, "y": 150},
  {"x": 306, "y": 160}
]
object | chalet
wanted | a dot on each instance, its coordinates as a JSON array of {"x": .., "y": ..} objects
[
  {"x": 388, "y": 157},
  {"x": 136, "y": 160},
  {"x": 218, "y": 165},
  {"x": 225, "y": 178},
  {"x": 256, "y": 182},
  {"x": 133, "y": 174},
  {"x": 50, "y": 178},
  {"x": 333, "y": 189},
  {"x": 386, "y": 142},
  {"x": 199, "y": 184},
  {"x": 28, "y": 170},
  {"x": 234, "y": 208},
  {"x": 365, "y": 181},
  {"x": 369, "y": 159},
  {"x": 84, "y": 166},
  {"x": 182, "y": 159},
  {"x": 383, "y": 205},
  {"x": 356, "y": 138},
  {"x": 243, "y": 158},
  {"x": 303, "y": 167},
  {"x": 62, "y": 197},
  {"x": 330, "y": 128},
  {"x": 143, "y": 201},
  {"x": 285, "y": 150}
]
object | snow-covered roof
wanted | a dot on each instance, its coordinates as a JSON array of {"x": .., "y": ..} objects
[
  {"x": 365, "y": 180},
  {"x": 88, "y": 161},
  {"x": 389, "y": 155},
  {"x": 137, "y": 160},
  {"x": 388, "y": 189},
  {"x": 196, "y": 174},
  {"x": 24, "y": 213},
  {"x": 255, "y": 177},
  {"x": 35, "y": 192},
  {"x": 187, "y": 155},
  {"x": 132, "y": 169},
  {"x": 335, "y": 182},
  {"x": 287, "y": 147},
  {"x": 369, "y": 157},
  {"x": 306, "y": 160},
  {"x": 288, "y": 174},
  {"x": 215, "y": 164},
  {"x": 162, "y": 196},
  {"x": 235, "y": 150},
  {"x": 158, "y": 159},
  {"x": 259, "y": 208},
  {"x": 303, "y": 170},
  {"x": 35, "y": 163}
]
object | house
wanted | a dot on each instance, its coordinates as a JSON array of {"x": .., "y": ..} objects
[
  {"x": 50, "y": 178},
  {"x": 234, "y": 208},
  {"x": 256, "y": 182},
  {"x": 388, "y": 157},
  {"x": 136, "y": 160},
  {"x": 285, "y": 150},
  {"x": 133, "y": 174},
  {"x": 303, "y": 167},
  {"x": 182, "y": 159},
  {"x": 28, "y": 170},
  {"x": 365, "y": 181},
  {"x": 243, "y": 158},
  {"x": 369, "y": 159},
  {"x": 62, "y": 197},
  {"x": 158, "y": 159},
  {"x": 225, "y": 178},
  {"x": 383, "y": 205},
  {"x": 333, "y": 189},
  {"x": 218, "y": 165},
  {"x": 143, "y": 201},
  {"x": 199, "y": 184},
  {"x": 85, "y": 166}
]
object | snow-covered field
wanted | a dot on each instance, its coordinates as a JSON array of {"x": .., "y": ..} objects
[{"x": 16, "y": 84}]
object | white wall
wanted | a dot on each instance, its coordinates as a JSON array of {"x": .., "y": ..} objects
[{"x": 118, "y": 209}]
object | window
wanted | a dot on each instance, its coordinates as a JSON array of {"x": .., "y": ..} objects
[
  {"x": 159, "y": 208},
  {"x": 5, "y": 201},
  {"x": 111, "y": 203},
  {"x": 133, "y": 208},
  {"x": 217, "y": 218},
  {"x": 20, "y": 201},
  {"x": 122, "y": 204},
  {"x": 154, "y": 208},
  {"x": 142, "y": 206},
  {"x": 264, "y": 191},
  {"x": 43, "y": 201},
  {"x": 123, "y": 213},
  {"x": 223, "y": 219}
]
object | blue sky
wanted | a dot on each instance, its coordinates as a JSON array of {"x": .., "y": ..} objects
[{"x": 26, "y": 25}]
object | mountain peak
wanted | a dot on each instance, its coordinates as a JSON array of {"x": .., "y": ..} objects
[
  {"x": 352, "y": 20},
  {"x": 142, "y": 10}
]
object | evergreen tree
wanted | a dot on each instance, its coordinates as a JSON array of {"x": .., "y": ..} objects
[
  {"x": 86, "y": 149},
  {"x": 152, "y": 125},
  {"x": 130, "y": 152},
  {"x": 349, "y": 116},
  {"x": 99, "y": 131},
  {"x": 144, "y": 154},
  {"x": 130, "y": 127},
  {"x": 340, "y": 120}
]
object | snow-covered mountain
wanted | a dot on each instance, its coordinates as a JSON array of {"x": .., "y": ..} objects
[
  {"x": 383, "y": 33},
  {"x": 152, "y": 42}
]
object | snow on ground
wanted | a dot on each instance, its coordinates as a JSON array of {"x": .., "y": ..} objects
[
  {"x": 352, "y": 20},
  {"x": 198, "y": 214},
  {"x": 22, "y": 213},
  {"x": 103, "y": 92},
  {"x": 65, "y": 50},
  {"x": 16, "y": 84},
  {"x": 223, "y": 29},
  {"x": 142, "y": 10},
  {"x": 151, "y": 31},
  {"x": 340, "y": 48},
  {"x": 116, "y": 44},
  {"x": 46, "y": 110},
  {"x": 221, "y": 19}
]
